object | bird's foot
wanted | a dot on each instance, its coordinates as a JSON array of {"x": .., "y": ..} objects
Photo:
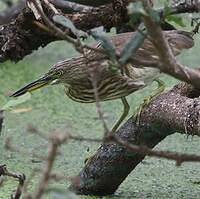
[
  {"x": 136, "y": 116},
  {"x": 87, "y": 160},
  {"x": 147, "y": 100}
]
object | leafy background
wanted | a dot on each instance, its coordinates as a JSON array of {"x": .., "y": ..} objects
[{"x": 53, "y": 111}]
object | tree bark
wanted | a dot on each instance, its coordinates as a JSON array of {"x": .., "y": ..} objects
[
  {"x": 94, "y": 3},
  {"x": 174, "y": 111},
  {"x": 17, "y": 36},
  {"x": 10, "y": 13},
  {"x": 67, "y": 7}
]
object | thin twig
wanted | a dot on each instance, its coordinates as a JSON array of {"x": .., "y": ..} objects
[
  {"x": 18, "y": 192},
  {"x": 168, "y": 63},
  {"x": 55, "y": 30},
  {"x": 34, "y": 130},
  {"x": 2, "y": 181},
  {"x": 51, "y": 6},
  {"x": 56, "y": 141},
  {"x": 8, "y": 146},
  {"x": 178, "y": 157},
  {"x": 28, "y": 180},
  {"x": 64, "y": 35},
  {"x": 71, "y": 6},
  {"x": 94, "y": 84},
  {"x": 1, "y": 120},
  {"x": 21, "y": 177},
  {"x": 78, "y": 138}
]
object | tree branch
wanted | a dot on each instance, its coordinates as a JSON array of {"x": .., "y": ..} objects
[
  {"x": 10, "y": 13},
  {"x": 93, "y": 3},
  {"x": 21, "y": 178},
  {"x": 168, "y": 63},
  {"x": 178, "y": 112},
  {"x": 70, "y": 7},
  {"x": 16, "y": 37},
  {"x": 1, "y": 120}
]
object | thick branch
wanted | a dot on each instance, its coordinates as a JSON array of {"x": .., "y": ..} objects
[
  {"x": 70, "y": 7},
  {"x": 66, "y": 6},
  {"x": 16, "y": 37},
  {"x": 175, "y": 111},
  {"x": 7, "y": 15},
  {"x": 94, "y": 3},
  {"x": 11, "y": 12}
]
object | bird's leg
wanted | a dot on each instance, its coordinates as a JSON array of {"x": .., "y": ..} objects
[
  {"x": 157, "y": 91},
  {"x": 123, "y": 116}
]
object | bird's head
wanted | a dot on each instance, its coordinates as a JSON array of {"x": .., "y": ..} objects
[{"x": 50, "y": 78}]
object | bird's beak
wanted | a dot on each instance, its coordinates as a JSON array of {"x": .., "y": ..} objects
[{"x": 34, "y": 85}]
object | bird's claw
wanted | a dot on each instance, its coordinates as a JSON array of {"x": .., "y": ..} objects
[{"x": 136, "y": 116}]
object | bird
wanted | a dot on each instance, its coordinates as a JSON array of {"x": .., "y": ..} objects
[{"x": 75, "y": 73}]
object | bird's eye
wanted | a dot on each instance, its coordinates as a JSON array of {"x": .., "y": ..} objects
[{"x": 57, "y": 73}]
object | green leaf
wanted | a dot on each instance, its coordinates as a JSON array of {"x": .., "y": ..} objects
[
  {"x": 107, "y": 44},
  {"x": 166, "y": 10},
  {"x": 113, "y": 68},
  {"x": 14, "y": 102},
  {"x": 136, "y": 11},
  {"x": 68, "y": 24},
  {"x": 133, "y": 44},
  {"x": 135, "y": 17},
  {"x": 65, "y": 22},
  {"x": 175, "y": 19},
  {"x": 154, "y": 14},
  {"x": 136, "y": 7}
]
